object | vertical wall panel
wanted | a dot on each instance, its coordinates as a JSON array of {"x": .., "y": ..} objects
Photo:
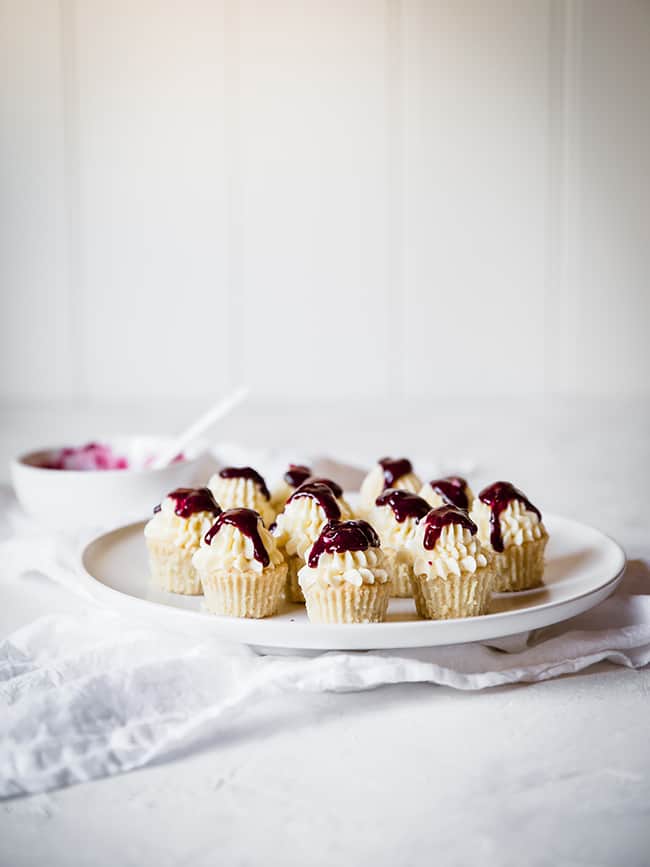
[
  {"x": 609, "y": 252},
  {"x": 476, "y": 144},
  {"x": 152, "y": 196},
  {"x": 313, "y": 197},
  {"x": 35, "y": 360}
]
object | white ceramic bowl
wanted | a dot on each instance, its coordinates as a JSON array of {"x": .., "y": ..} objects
[{"x": 76, "y": 499}]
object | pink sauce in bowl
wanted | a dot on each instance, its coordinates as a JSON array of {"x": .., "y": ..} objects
[{"x": 92, "y": 456}]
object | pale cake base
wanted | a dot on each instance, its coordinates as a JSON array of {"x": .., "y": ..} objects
[
  {"x": 347, "y": 603},
  {"x": 171, "y": 568},
  {"x": 244, "y": 594},
  {"x": 464, "y": 595},
  {"x": 520, "y": 567}
]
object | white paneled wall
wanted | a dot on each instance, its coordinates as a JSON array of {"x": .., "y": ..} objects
[
  {"x": 611, "y": 266},
  {"x": 152, "y": 223},
  {"x": 35, "y": 311},
  {"x": 312, "y": 199},
  {"x": 371, "y": 197},
  {"x": 476, "y": 194}
]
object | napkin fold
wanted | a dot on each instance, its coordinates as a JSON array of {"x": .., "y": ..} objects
[{"x": 87, "y": 695}]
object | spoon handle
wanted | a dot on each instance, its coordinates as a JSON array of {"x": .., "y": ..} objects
[{"x": 200, "y": 426}]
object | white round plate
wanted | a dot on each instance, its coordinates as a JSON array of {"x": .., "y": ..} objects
[{"x": 583, "y": 566}]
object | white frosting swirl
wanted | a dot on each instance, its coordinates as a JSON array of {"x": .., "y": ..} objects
[
  {"x": 167, "y": 526},
  {"x": 299, "y": 525},
  {"x": 351, "y": 567},
  {"x": 456, "y": 551},
  {"x": 517, "y": 523},
  {"x": 280, "y": 496},
  {"x": 393, "y": 533},
  {"x": 373, "y": 485},
  {"x": 241, "y": 493},
  {"x": 233, "y": 550}
]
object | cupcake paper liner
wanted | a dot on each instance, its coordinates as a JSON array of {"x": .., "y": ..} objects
[
  {"x": 347, "y": 603},
  {"x": 401, "y": 575},
  {"x": 464, "y": 595},
  {"x": 520, "y": 567},
  {"x": 293, "y": 590},
  {"x": 171, "y": 568},
  {"x": 244, "y": 594}
]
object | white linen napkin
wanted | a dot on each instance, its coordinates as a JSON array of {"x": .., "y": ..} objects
[{"x": 89, "y": 695}]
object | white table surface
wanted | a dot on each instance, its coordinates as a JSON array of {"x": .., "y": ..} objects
[{"x": 548, "y": 774}]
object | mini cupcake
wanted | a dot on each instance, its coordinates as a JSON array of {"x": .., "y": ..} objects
[
  {"x": 299, "y": 524},
  {"x": 242, "y": 487},
  {"x": 346, "y": 578},
  {"x": 387, "y": 473},
  {"x": 512, "y": 526},
  {"x": 395, "y": 517},
  {"x": 174, "y": 534},
  {"x": 296, "y": 475},
  {"x": 241, "y": 569},
  {"x": 453, "y": 572},
  {"x": 450, "y": 491}
]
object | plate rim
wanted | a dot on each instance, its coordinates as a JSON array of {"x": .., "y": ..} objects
[{"x": 359, "y": 631}]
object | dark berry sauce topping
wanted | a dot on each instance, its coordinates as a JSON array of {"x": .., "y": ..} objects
[
  {"x": 189, "y": 501},
  {"x": 452, "y": 489},
  {"x": 445, "y": 516},
  {"x": 246, "y": 521},
  {"x": 404, "y": 504},
  {"x": 339, "y": 536},
  {"x": 296, "y": 475},
  {"x": 323, "y": 495},
  {"x": 334, "y": 487},
  {"x": 246, "y": 473},
  {"x": 497, "y": 497},
  {"x": 394, "y": 469}
]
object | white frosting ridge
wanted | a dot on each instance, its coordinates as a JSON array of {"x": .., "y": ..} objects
[
  {"x": 351, "y": 567},
  {"x": 393, "y": 533},
  {"x": 456, "y": 551},
  {"x": 167, "y": 526},
  {"x": 518, "y": 524},
  {"x": 280, "y": 495},
  {"x": 233, "y": 550},
  {"x": 240, "y": 493}
]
